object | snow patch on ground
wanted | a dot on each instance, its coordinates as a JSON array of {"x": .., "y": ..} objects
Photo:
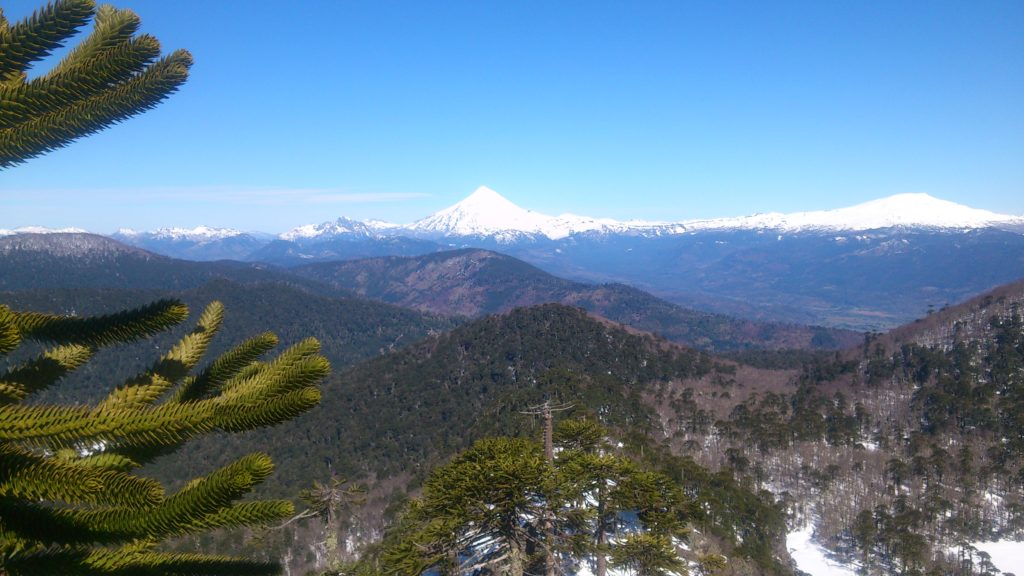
[
  {"x": 586, "y": 570},
  {"x": 1008, "y": 556},
  {"x": 811, "y": 558}
]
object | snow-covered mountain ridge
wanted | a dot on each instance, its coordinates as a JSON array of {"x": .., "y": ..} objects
[
  {"x": 486, "y": 213},
  {"x": 339, "y": 227},
  {"x": 902, "y": 210},
  {"x": 40, "y": 230},
  {"x": 197, "y": 234}
]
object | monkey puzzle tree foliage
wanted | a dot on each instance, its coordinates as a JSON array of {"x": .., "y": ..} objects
[
  {"x": 71, "y": 500},
  {"x": 606, "y": 492},
  {"x": 647, "y": 554},
  {"x": 485, "y": 511},
  {"x": 111, "y": 75},
  {"x": 478, "y": 512}
]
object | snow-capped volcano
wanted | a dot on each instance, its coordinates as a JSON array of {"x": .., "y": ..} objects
[
  {"x": 482, "y": 213},
  {"x": 487, "y": 213},
  {"x": 901, "y": 210}
]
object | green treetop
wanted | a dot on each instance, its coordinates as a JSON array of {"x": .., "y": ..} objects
[{"x": 485, "y": 512}]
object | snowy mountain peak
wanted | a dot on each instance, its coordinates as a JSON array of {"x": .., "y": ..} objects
[
  {"x": 340, "y": 227},
  {"x": 484, "y": 198},
  {"x": 915, "y": 209},
  {"x": 483, "y": 213}
]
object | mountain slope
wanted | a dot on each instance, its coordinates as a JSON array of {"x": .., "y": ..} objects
[
  {"x": 42, "y": 261},
  {"x": 201, "y": 243},
  {"x": 866, "y": 281},
  {"x": 901, "y": 452},
  {"x": 350, "y": 330},
  {"x": 850, "y": 433},
  {"x": 976, "y": 319},
  {"x": 387, "y": 421},
  {"x": 477, "y": 282},
  {"x": 329, "y": 248}
]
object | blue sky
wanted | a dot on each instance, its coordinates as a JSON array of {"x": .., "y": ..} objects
[{"x": 302, "y": 112}]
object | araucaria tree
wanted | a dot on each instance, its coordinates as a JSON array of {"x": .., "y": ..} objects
[
  {"x": 485, "y": 512},
  {"x": 113, "y": 74},
  {"x": 71, "y": 501},
  {"x": 620, "y": 510},
  {"x": 480, "y": 512}
]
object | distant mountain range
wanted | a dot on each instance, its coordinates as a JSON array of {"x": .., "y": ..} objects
[
  {"x": 866, "y": 267},
  {"x": 460, "y": 283},
  {"x": 474, "y": 282},
  {"x": 486, "y": 214}
]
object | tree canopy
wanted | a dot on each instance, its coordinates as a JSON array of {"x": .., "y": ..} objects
[{"x": 501, "y": 507}]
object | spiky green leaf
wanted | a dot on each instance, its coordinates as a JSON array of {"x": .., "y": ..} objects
[{"x": 34, "y": 38}]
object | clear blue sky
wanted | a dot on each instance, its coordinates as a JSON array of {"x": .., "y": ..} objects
[{"x": 302, "y": 112}]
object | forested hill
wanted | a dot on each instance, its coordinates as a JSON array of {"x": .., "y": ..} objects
[
  {"x": 474, "y": 282},
  {"x": 966, "y": 321},
  {"x": 42, "y": 261},
  {"x": 411, "y": 408},
  {"x": 901, "y": 454},
  {"x": 430, "y": 399},
  {"x": 350, "y": 330},
  {"x": 389, "y": 420}
]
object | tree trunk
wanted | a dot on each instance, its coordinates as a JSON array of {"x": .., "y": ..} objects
[
  {"x": 602, "y": 558},
  {"x": 549, "y": 525},
  {"x": 516, "y": 560}
]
